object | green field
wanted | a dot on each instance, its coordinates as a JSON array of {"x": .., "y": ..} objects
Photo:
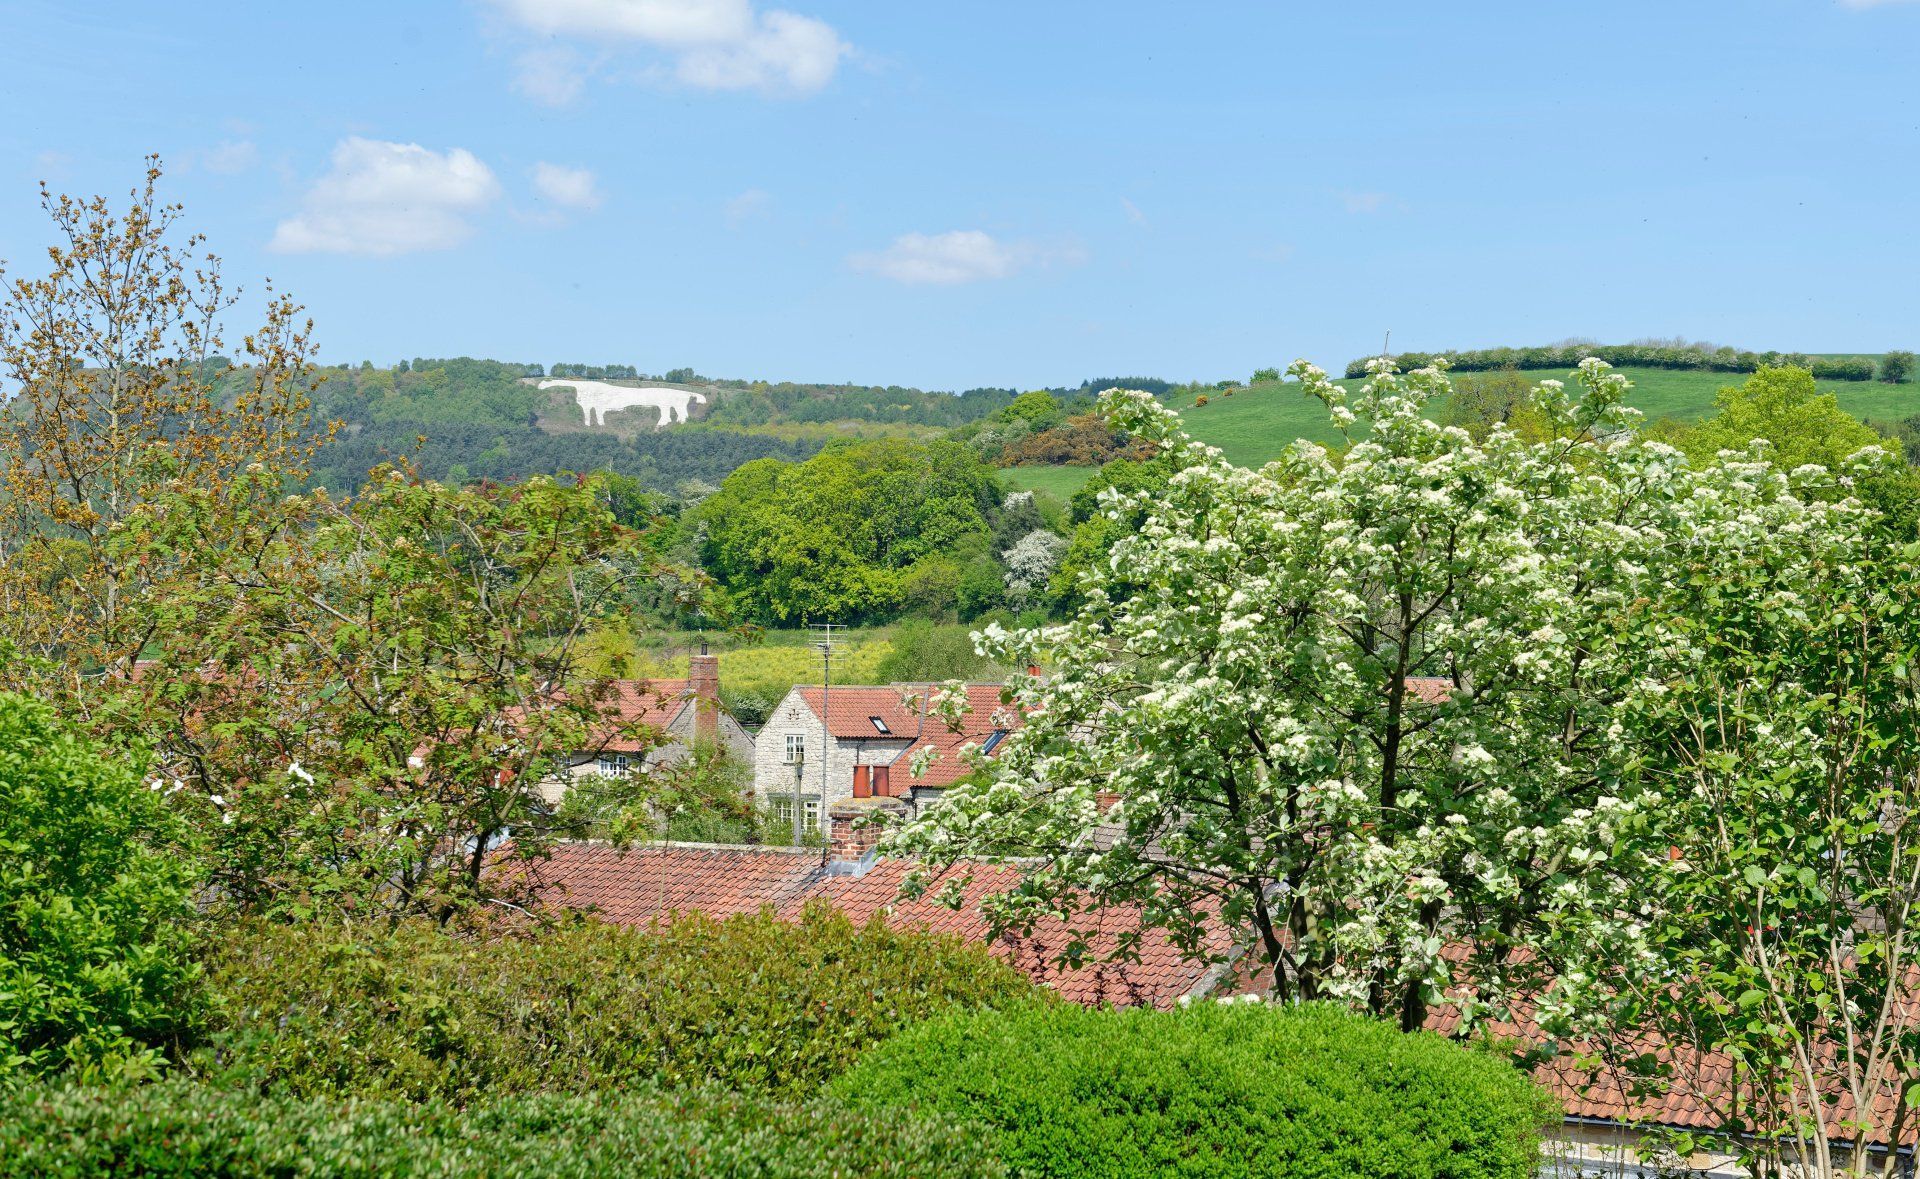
[
  {"x": 1255, "y": 424},
  {"x": 781, "y": 659},
  {"x": 1061, "y": 482}
]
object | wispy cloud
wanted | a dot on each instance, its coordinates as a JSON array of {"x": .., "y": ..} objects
[
  {"x": 381, "y": 198},
  {"x": 1365, "y": 202},
  {"x": 552, "y": 75},
  {"x": 957, "y": 256},
  {"x": 748, "y": 205},
  {"x": 568, "y": 188},
  {"x": 1132, "y": 211},
  {"x": 708, "y": 44},
  {"x": 231, "y": 157}
]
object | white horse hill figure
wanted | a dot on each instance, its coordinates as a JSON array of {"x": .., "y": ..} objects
[{"x": 598, "y": 399}]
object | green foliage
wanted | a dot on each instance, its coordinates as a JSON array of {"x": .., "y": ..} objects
[
  {"x": 1781, "y": 406},
  {"x": 184, "y": 1131},
  {"x": 1264, "y": 376},
  {"x": 95, "y": 965},
  {"x": 926, "y": 652},
  {"x": 1896, "y": 367},
  {"x": 1039, "y": 410},
  {"x": 1477, "y": 404},
  {"x": 1216, "y": 1091},
  {"x": 831, "y": 538},
  {"x": 416, "y": 1012},
  {"x": 1095, "y": 533},
  {"x": 1802, "y": 426},
  {"x": 702, "y": 797}
]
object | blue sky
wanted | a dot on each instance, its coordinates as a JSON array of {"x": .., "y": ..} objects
[{"x": 1018, "y": 194}]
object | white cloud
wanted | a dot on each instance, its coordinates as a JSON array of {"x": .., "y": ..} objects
[
  {"x": 570, "y": 188},
  {"x": 750, "y": 204},
  {"x": 389, "y": 198},
  {"x": 957, "y": 256},
  {"x": 552, "y": 76},
  {"x": 1133, "y": 212},
  {"x": 231, "y": 156},
  {"x": 714, "y": 44},
  {"x": 1364, "y": 202}
]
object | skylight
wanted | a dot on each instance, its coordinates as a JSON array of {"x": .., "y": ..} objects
[{"x": 880, "y": 724}]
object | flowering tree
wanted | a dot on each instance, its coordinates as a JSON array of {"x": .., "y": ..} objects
[
  {"x": 1030, "y": 562},
  {"x": 1357, "y": 708},
  {"x": 1781, "y": 867}
]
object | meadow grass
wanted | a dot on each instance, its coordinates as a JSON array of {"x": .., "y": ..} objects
[
  {"x": 1060, "y": 482},
  {"x": 772, "y": 666}
]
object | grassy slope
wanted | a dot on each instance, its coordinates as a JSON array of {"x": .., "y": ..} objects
[
  {"x": 1058, "y": 481},
  {"x": 1256, "y": 424},
  {"x": 782, "y": 659}
]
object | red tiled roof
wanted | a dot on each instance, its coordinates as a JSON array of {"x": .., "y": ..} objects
[
  {"x": 1430, "y": 689},
  {"x": 633, "y": 887},
  {"x": 642, "y": 883},
  {"x": 635, "y": 708},
  {"x": 1161, "y": 976},
  {"x": 854, "y": 707}
]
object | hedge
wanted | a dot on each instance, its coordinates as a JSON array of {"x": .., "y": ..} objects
[
  {"x": 184, "y": 1130},
  {"x": 415, "y": 1012},
  {"x": 96, "y": 958},
  {"x": 1723, "y": 360},
  {"x": 1239, "y": 1090}
]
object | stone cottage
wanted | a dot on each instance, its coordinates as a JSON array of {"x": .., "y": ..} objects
[{"x": 859, "y": 741}]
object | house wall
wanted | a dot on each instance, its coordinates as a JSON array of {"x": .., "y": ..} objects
[{"x": 773, "y": 774}]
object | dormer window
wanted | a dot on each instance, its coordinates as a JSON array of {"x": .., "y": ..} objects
[
  {"x": 614, "y": 765},
  {"x": 881, "y": 726}
]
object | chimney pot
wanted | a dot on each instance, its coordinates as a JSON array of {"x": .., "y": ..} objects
[{"x": 703, "y": 684}]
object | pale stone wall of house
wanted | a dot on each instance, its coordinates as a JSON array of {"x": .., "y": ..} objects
[{"x": 773, "y": 774}]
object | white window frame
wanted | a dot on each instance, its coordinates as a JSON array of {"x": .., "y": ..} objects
[
  {"x": 782, "y": 807},
  {"x": 796, "y": 744},
  {"x": 613, "y": 765}
]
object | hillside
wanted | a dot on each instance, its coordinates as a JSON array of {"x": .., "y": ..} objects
[
  {"x": 462, "y": 418},
  {"x": 1254, "y": 424}
]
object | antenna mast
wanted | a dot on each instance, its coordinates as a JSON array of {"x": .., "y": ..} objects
[{"x": 826, "y": 636}]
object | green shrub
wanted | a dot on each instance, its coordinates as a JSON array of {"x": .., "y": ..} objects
[
  {"x": 180, "y": 1130},
  {"x": 1896, "y": 366},
  {"x": 1237, "y": 1090},
  {"x": 750, "y": 1003},
  {"x": 1842, "y": 370},
  {"x": 95, "y": 967}
]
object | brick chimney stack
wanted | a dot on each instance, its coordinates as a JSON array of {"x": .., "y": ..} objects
[
  {"x": 854, "y": 828},
  {"x": 703, "y": 684}
]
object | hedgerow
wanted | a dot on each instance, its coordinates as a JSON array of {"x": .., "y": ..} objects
[
  {"x": 751, "y": 1002},
  {"x": 178, "y": 1130},
  {"x": 1238, "y": 1090},
  {"x": 1720, "y": 360}
]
